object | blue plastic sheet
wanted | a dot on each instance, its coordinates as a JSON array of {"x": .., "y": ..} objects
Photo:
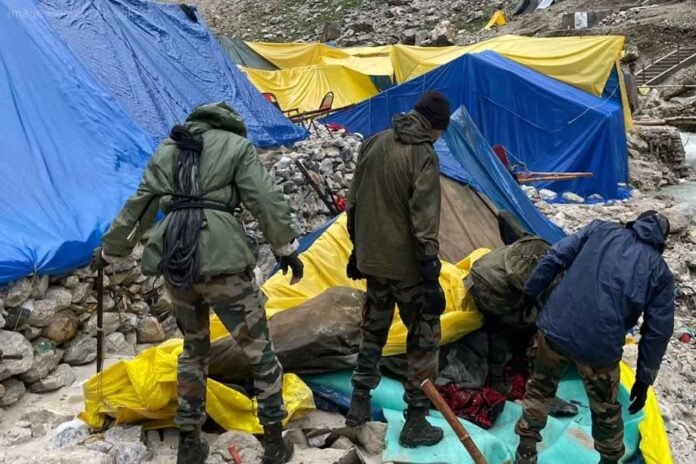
[
  {"x": 159, "y": 64},
  {"x": 70, "y": 153},
  {"x": 465, "y": 156},
  {"x": 548, "y": 125}
]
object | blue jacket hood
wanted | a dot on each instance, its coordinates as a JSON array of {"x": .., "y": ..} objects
[{"x": 649, "y": 231}]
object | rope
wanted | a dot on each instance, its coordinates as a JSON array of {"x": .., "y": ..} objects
[{"x": 180, "y": 262}]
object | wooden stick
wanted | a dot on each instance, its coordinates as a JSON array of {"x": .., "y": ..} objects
[
  {"x": 439, "y": 402},
  {"x": 578, "y": 174},
  {"x": 529, "y": 180}
]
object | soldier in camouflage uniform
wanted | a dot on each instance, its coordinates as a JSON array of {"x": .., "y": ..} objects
[
  {"x": 612, "y": 275},
  {"x": 199, "y": 176},
  {"x": 393, "y": 221}
]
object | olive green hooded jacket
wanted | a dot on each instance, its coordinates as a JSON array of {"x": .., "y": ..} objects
[
  {"x": 230, "y": 173},
  {"x": 394, "y": 201}
]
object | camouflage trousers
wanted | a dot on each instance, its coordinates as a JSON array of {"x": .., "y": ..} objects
[
  {"x": 602, "y": 386},
  {"x": 237, "y": 302},
  {"x": 422, "y": 342}
]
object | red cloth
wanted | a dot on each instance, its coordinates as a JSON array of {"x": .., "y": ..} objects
[{"x": 482, "y": 407}]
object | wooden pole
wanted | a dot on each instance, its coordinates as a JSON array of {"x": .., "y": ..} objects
[
  {"x": 100, "y": 319},
  {"x": 439, "y": 402}
]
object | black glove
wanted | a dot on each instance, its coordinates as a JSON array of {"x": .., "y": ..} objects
[
  {"x": 639, "y": 394},
  {"x": 98, "y": 262},
  {"x": 293, "y": 262},
  {"x": 434, "y": 301},
  {"x": 434, "y": 297},
  {"x": 352, "y": 270}
]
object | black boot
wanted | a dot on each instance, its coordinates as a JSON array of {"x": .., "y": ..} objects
[
  {"x": 562, "y": 408},
  {"x": 604, "y": 460},
  {"x": 499, "y": 381},
  {"x": 526, "y": 452},
  {"x": 192, "y": 450},
  {"x": 360, "y": 408},
  {"x": 417, "y": 430},
  {"x": 275, "y": 449}
]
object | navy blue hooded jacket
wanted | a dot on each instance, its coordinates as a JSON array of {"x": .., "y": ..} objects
[{"x": 613, "y": 275}]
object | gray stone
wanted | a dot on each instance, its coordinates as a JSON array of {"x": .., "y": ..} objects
[
  {"x": 125, "y": 433},
  {"x": 51, "y": 415},
  {"x": 547, "y": 195},
  {"x": 250, "y": 449},
  {"x": 81, "y": 292},
  {"x": 571, "y": 197},
  {"x": 62, "y": 327},
  {"x": 163, "y": 304},
  {"x": 75, "y": 455},
  {"x": 2, "y": 320},
  {"x": 2, "y": 390},
  {"x": 116, "y": 343},
  {"x": 129, "y": 322},
  {"x": 131, "y": 337},
  {"x": 17, "y": 318},
  {"x": 150, "y": 330},
  {"x": 110, "y": 323},
  {"x": 311, "y": 455},
  {"x": 18, "y": 293},
  {"x": 71, "y": 282},
  {"x": 61, "y": 296},
  {"x": 138, "y": 307},
  {"x": 128, "y": 446},
  {"x": 119, "y": 264},
  {"x": 39, "y": 287},
  {"x": 99, "y": 445},
  {"x": 14, "y": 390},
  {"x": 63, "y": 376},
  {"x": 46, "y": 359},
  {"x": 680, "y": 217},
  {"x": 69, "y": 433},
  {"x": 372, "y": 437},
  {"x": 42, "y": 312},
  {"x": 15, "y": 436},
  {"x": 81, "y": 350},
  {"x": 31, "y": 333},
  {"x": 15, "y": 343}
]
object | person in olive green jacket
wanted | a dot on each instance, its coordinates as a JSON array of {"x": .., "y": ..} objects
[
  {"x": 197, "y": 177},
  {"x": 393, "y": 221}
]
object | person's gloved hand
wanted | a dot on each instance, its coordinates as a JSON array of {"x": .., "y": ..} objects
[
  {"x": 292, "y": 262},
  {"x": 526, "y": 305},
  {"x": 98, "y": 261},
  {"x": 352, "y": 270},
  {"x": 639, "y": 394},
  {"x": 434, "y": 297}
]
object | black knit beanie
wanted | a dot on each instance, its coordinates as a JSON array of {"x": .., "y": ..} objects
[{"x": 435, "y": 108}]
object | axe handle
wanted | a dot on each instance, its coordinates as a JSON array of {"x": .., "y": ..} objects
[
  {"x": 439, "y": 402},
  {"x": 100, "y": 319}
]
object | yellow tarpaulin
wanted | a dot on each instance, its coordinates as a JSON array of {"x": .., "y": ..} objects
[
  {"x": 143, "y": 390},
  {"x": 325, "y": 264},
  {"x": 304, "y": 88},
  {"x": 498, "y": 19},
  {"x": 294, "y": 55}
]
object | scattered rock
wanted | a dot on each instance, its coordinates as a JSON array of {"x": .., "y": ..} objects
[
  {"x": 46, "y": 359},
  {"x": 77, "y": 455},
  {"x": 15, "y": 436},
  {"x": 42, "y": 312},
  {"x": 63, "y": 376},
  {"x": 128, "y": 446},
  {"x": 680, "y": 217},
  {"x": 150, "y": 330},
  {"x": 249, "y": 447},
  {"x": 571, "y": 197},
  {"x": 116, "y": 343},
  {"x": 50, "y": 415},
  {"x": 15, "y": 343},
  {"x": 62, "y": 327},
  {"x": 81, "y": 350},
  {"x": 14, "y": 389},
  {"x": 18, "y": 293},
  {"x": 372, "y": 437},
  {"x": 60, "y": 296},
  {"x": 547, "y": 195},
  {"x": 111, "y": 323},
  {"x": 71, "y": 282},
  {"x": 69, "y": 433},
  {"x": 80, "y": 292},
  {"x": 38, "y": 289}
]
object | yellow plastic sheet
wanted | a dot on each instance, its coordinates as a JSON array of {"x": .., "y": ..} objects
[
  {"x": 654, "y": 443},
  {"x": 498, "y": 19},
  {"x": 143, "y": 390},
  {"x": 294, "y": 55},
  {"x": 325, "y": 264},
  {"x": 304, "y": 88}
]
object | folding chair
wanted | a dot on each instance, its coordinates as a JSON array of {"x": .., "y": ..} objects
[{"x": 273, "y": 100}]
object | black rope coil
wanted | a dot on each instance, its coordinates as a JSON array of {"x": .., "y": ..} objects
[{"x": 180, "y": 263}]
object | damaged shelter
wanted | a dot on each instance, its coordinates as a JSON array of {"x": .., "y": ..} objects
[
  {"x": 330, "y": 303},
  {"x": 89, "y": 92}
]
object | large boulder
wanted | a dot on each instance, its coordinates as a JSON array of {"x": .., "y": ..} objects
[
  {"x": 149, "y": 330},
  {"x": 81, "y": 350},
  {"x": 62, "y": 327},
  {"x": 46, "y": 358},
  {"x": 15, "y": 343}
]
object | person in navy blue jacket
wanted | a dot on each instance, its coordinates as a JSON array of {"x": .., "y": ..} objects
[{"x": 613, "y": 275}]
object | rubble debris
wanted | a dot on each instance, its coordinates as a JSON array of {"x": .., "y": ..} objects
[{"x": 69, "y": 433}]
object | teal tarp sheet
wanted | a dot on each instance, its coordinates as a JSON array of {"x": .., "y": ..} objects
[{"x": 564, "y": 440}]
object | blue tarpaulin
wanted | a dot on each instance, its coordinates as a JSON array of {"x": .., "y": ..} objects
[
  {"x": 87, "y": 91},
  {"x": 160, "y": 64},
  {"x": 548, "y": 125},
  {"x": 465, "y": 156}
]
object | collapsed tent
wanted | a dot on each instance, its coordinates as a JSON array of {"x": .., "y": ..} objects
[
  {"x": 160, "y": 64},
  {"x": 79, "y": 129},
  {"x": 242, "y": 55},
  {"x": 548, "y": 125},
  {"x": 303, "y": 89}
]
